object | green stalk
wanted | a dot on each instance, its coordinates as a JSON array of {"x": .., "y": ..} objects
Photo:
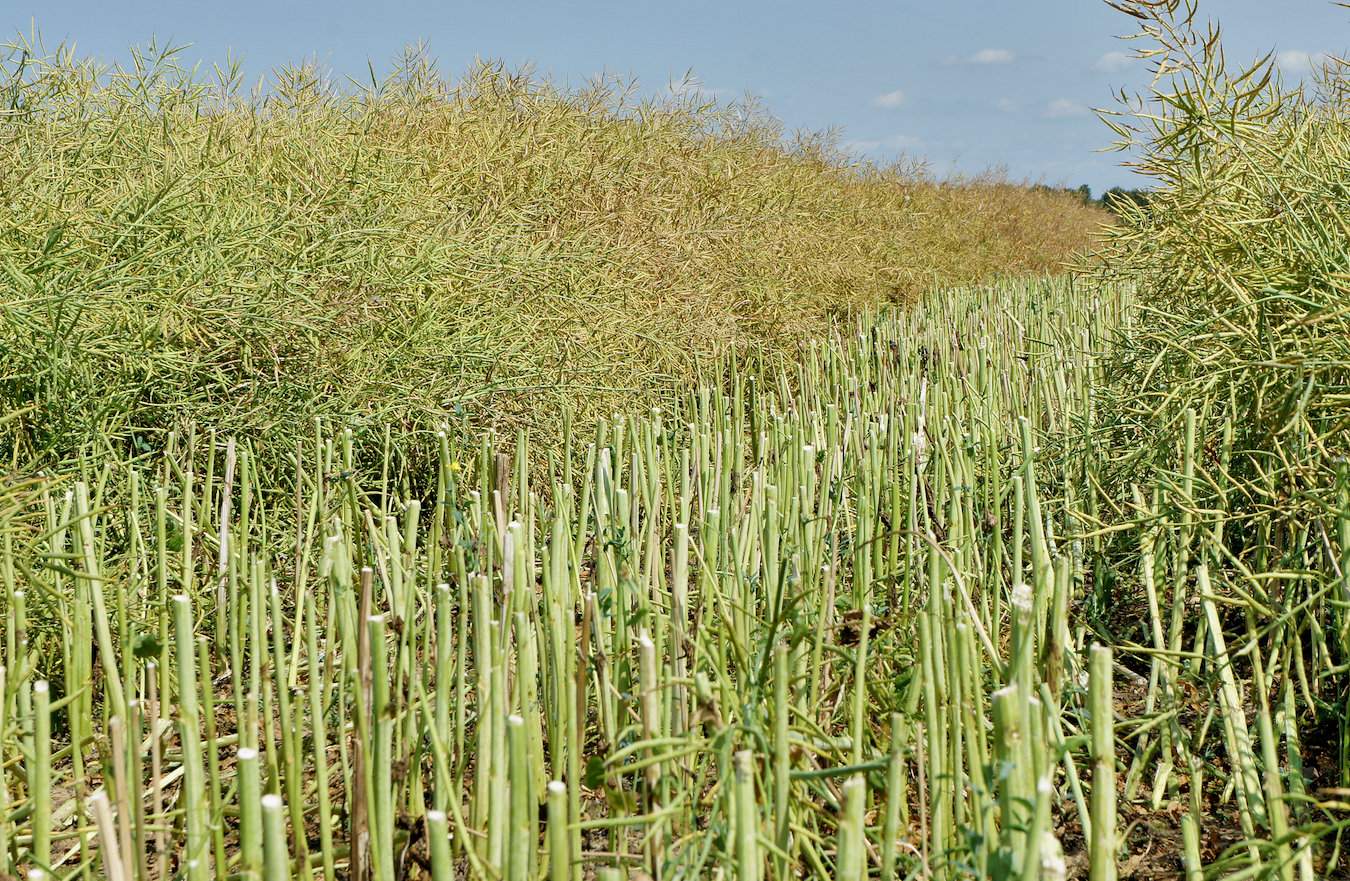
[
  {"x": 520, "y": 841},
  {"x": 748, "y": 866},
  {"x": 782, "y": 762},
  {"x": 319, "y": 731},
  {"x": 851, "y": 862},
  {"x": 438, "y": 838},
  {"x": 382, "y": 753},
  {"x": 896, "y": 795},
  {"x": 277, "y": 859},
  {"x": 249, "y": 784},
  {"x": 1103, "y": 843},
  {"x": 559, "y": 840},
  {"x": 194, "y": 791},
  {"x": 217, "y": 803},
  {"x": 39, "y": 776}
]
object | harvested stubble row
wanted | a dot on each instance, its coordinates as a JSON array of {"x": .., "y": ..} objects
[{"x": 830, "y": 624}]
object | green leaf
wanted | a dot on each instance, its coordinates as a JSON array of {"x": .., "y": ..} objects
[
  {"x": 594, "y": 777},
  {"x": 146, "y": 646}
]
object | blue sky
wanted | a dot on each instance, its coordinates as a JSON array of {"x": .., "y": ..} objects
[{"x": 967, "y": 84}]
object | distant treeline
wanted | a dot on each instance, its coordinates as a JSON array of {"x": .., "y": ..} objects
[{"x": 1108, "y": 200}]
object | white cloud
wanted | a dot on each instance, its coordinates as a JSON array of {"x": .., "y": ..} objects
[
  {"x": 891, "y": 100},
  {"x": 904, "y": 142},
  {"x": 1007, "y": 105},
  {"x": 1063, "y": 108},
  {"x": 864, "y": 146},
  {"x": 1297, "y": 62},
  {"x": 992, "y": 56},
  {"x": 876, "y": 145},
  {"x": 1113, "y": 62}
]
